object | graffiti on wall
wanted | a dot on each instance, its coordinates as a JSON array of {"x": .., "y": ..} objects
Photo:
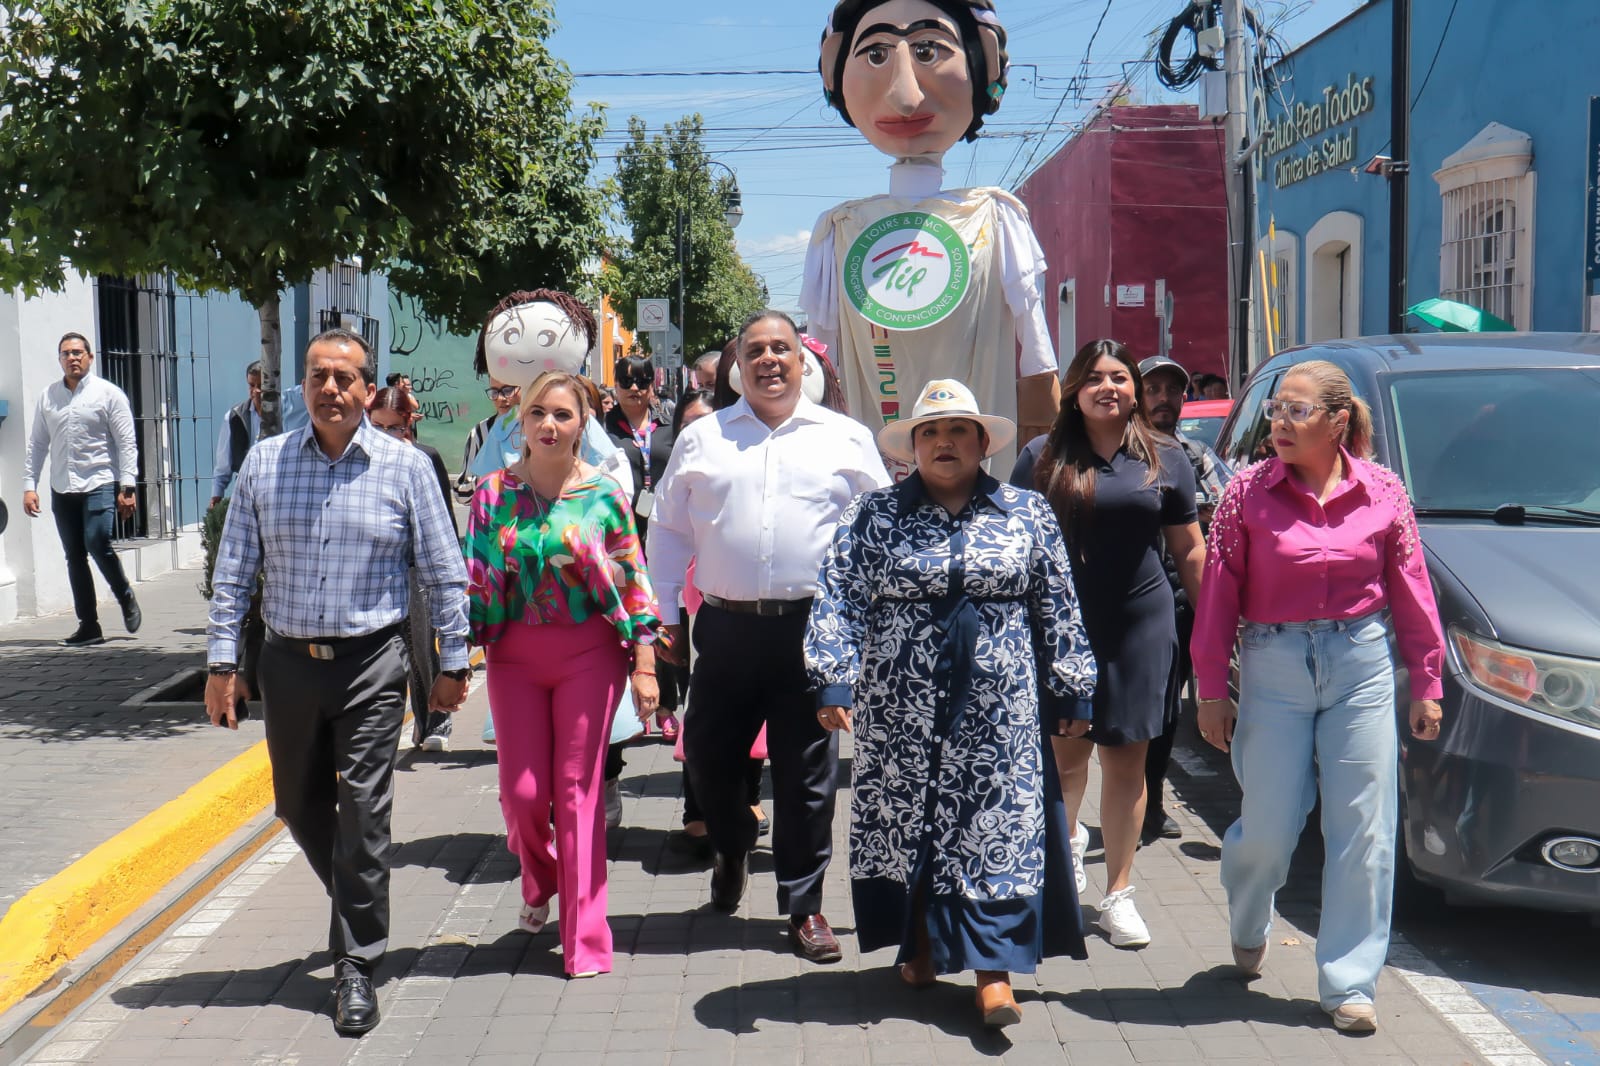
[{"x": 439, "y": 364}]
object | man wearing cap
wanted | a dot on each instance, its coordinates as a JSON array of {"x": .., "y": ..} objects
[
  {"x": 754, "y": 493},
  {"x": 1165, "y": 385}
]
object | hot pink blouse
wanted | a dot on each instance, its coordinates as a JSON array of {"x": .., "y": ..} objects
[{"x": 1276, "y": 554}]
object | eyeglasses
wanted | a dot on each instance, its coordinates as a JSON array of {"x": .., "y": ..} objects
[
  {"x": 641, "y": 381},
  {"x": 1293, "y": 412},
  {"x": 70, "y": 352},
  {"x": 504, "y": 392},
  {"x": 398, "y": 431}
]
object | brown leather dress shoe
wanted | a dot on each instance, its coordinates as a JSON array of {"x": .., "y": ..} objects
[
  {"x": 813, "y": 939},
  {"x": 996, "y": 1004},
  {"x": 918, "y": 973}
]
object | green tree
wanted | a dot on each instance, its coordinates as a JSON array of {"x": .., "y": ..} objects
[
  {"x": 656, "y": 178},
  {"x": 244, "y": 144}
]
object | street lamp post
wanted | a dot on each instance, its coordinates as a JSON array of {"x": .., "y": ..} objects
[{"x": 733, "y": 213}]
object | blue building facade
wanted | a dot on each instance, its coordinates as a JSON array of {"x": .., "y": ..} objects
[{"x": 1499, "y": 132}]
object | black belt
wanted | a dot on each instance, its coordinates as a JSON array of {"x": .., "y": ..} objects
[
  {"x": 329, "y": 648},
  {"x": 769, "y": 608}
]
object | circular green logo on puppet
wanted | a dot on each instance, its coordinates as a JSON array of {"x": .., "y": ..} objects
[{"x": 907, "y": 271}]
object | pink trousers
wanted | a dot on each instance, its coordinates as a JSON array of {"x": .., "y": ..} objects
[{"x": 552, "y": 690}]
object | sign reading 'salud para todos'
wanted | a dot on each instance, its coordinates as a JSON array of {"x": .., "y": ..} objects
[
  {"x": 1591, "y": 244},
  {"x": 1307, "y": 134}
]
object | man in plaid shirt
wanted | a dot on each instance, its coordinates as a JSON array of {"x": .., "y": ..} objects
[{"x": 335, "y": 513}]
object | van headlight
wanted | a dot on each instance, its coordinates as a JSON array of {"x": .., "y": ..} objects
[{"x": 1550, "y": 684}]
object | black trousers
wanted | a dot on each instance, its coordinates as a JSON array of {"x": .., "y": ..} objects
[
  {"x": 84, "y": 521},
  {"x": 752, "y": 785},
  {"x": 751, "y": 670},
  {"x": 1158, "y": 756},
  {"x": 333, "y": 728}
]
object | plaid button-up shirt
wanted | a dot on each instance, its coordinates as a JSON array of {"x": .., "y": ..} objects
[{"x": 336, "y": 540}]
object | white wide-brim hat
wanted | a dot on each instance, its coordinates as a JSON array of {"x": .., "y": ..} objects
[{"x": 943, "y": 398}]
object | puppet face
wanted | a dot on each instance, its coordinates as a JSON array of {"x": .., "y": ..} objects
[
  {"x": 523, "y": 342},
  {"x": 905, "y": 82}
]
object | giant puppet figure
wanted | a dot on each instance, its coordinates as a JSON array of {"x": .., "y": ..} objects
[
  {"x": 926, "y": 282},
  {"x": 528, "y": 334}
]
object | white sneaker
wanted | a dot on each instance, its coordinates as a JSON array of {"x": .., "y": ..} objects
[
  {"x": 613, "y": 804},
  {"x": 1120, "y": 918},
  {"x": 532, "y": 919},
  {"x": 436, "y": 742},
  {"x": 1080, "y": 844}
]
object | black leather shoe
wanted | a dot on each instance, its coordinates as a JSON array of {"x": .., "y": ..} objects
[
  {"x": 356, "y": 1010},
  {"x": 1161, "y": 827},
  {"x": 132, "y": 617},
  {"x": 813, "y": 939},
  {"x": 84, "y": 636},
  {"x": 728, "y": 878}
]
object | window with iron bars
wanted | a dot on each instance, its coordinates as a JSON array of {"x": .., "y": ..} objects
[
  {"x": 155, "y": 345},
  {"x": 1485, "y": 247},
  {"x": 342, "y": 297}
]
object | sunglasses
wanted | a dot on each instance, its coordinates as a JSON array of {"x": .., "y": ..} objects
[
  {"x": 504, "y": 392},
  {"x": 640, "y": 381},
  {"x": 1293, "y": 412}
]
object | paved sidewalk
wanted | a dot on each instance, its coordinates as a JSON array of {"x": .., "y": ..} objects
[
  {"x": 245, "y": 978},
  {"x": 77, "y": 764}
]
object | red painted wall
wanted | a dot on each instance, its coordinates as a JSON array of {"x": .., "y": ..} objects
[{"x": 1138, "y": 196}]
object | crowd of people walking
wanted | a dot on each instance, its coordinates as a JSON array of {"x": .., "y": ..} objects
[{"x": 981, "y": 640}]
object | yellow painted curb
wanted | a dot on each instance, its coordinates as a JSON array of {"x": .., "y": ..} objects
[{"x": 56, "y": 921}]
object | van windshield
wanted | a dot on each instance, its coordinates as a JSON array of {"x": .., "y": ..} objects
[{"x": 1476, "y": 439}]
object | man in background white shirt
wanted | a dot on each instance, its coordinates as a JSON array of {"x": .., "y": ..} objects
[
  {"x": 755, "y": 492},
  {"x": 84, "y": 423}
]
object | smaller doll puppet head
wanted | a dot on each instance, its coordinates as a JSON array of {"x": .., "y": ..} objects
[
  {"x": 914, "y": 76},
  {"x": 531, "y": 333}
]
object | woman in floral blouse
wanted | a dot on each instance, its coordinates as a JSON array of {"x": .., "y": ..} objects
[
  {"x": 946, "y": 635},
  {"x": 561, "y": 602}
]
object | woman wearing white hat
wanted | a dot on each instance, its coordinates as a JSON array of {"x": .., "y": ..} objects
[{"x": 945, "y": 612}]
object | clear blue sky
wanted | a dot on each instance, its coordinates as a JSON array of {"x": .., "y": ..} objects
[{"x": 794, "y": 156}]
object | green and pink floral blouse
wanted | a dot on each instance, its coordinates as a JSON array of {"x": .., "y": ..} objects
[{"x": 537, "y": 561}]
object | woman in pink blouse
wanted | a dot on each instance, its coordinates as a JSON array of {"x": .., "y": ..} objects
[
  {"x": 559, "y": 598},
  {"x": 1307, "y": 551}
]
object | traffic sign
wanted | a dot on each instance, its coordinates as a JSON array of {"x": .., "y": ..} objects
[{"x": 653, "y": 315}]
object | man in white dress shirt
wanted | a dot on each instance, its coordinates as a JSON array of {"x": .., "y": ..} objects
[
  {"x": 85, "y": 424},
  {"x": 755, "y": 492}
]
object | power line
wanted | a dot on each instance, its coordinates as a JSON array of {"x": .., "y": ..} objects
[{"x": 688, "y": 73}]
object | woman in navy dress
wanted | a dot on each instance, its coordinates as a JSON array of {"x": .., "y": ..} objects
[
  {"x": 944, "y": 610},
  {"x": 1121, "y": 495}
]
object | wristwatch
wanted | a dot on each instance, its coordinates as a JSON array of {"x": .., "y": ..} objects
[
  {"x": 457, "y": 675},
  {"x": 221, "y": 669}
]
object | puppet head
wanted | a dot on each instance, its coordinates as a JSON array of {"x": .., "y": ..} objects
[
  {"x": 532, "y": 333},
  {"x": 914, "y": 76}
]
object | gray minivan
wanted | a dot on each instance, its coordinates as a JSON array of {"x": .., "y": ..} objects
[{"x": 1497, "y": 437}]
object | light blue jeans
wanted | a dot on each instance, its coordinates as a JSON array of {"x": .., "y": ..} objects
[{"x": 1316, "y": 707}]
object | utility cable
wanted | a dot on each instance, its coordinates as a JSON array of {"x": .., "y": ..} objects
[{"x": 1199, "y": 16}]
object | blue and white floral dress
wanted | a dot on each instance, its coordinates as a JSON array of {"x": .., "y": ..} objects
[{"x": 938, "y": 631}]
